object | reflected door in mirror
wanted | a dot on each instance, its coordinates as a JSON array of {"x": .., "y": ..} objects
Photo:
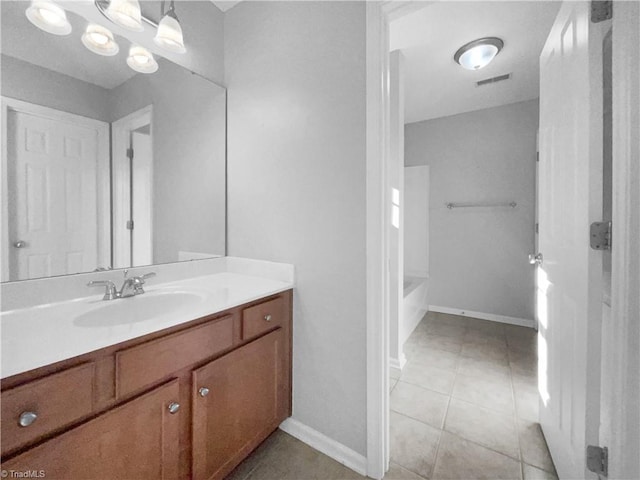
[{"x": 52, "y": 218}]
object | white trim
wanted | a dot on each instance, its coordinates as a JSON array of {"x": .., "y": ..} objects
[
  {"x": 377, "y": 132},
  {"x": 349, "y": 458},
  {"x": 102, "y": 170},
  {"x": 398, "y": 364},
  {"x": 522, "y": 322},
  {"x": 120, "y": 131}
]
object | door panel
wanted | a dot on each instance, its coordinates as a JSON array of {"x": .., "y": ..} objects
[
  {"x": 570, "y": 198},
  {"x": 52, "y": 169}
]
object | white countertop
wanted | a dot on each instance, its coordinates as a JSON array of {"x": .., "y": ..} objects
[{"x": 45, "y": 334}]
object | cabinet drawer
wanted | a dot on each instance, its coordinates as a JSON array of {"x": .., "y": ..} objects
[
  {"x": 56, "y": 400},
  {"x": 264, "y": 316},
  {"x": 150, "y": 362}
]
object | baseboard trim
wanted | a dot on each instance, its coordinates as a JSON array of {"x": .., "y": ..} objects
[
  {"x": 398, "y": 363},
  {"x": 326, "y": 445},
  {"x": 522, "y": 322}
]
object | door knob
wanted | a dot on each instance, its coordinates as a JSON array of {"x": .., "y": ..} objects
[
  {"x": 535, "y": 259},
  {"x": 20, "y": 244},
  {"x": 204, "y": 391},
  {"x": 27, "y": 418},
  {"x": 173, "y": 407}
]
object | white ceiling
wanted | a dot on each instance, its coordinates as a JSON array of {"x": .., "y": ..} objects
[
  {"x": 225, "y": 5},
  {"x": 62, "y": 54},
  {"x": 436, "y": 86}
]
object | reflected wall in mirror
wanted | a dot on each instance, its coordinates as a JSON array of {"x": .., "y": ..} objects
[{"x": 104, "y": 167}]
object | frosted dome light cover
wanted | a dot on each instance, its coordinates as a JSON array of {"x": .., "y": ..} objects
[
  {"x": 100, "y": 40},
  {"x": 125, "y": 13},
  {"x": 49, "y": 17},
  {"x": 141, "y": 60},
  {"x": 169, "y": 34},
  {"x": 479, "y": 53}
]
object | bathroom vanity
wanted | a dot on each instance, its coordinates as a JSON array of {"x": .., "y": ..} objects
[{"x": 190, "y": 399}]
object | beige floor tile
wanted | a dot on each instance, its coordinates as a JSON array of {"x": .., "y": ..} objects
[
  {"x": 533, "y": 473},
  {"x": 447, "y": 330},
  {"x": 484, "y": 351},
  {"x": 527, "y": 398},
  {"x": 243, "y": 470},
  {"x": 413, "y": 444},
  {"x": 419, "y": 403},
  {"x": 442, "y": 342},
  {"x": 434, "y": 378},
  {"x": 485, "y": 326},
  {"x": 291, "y": 459},
  {"x": 476, "y": 367},
  {"x": 436, "y": 358},
  {"x": 481, "y": 336},
  {"x": 394, "y": 373},
  {"x": 396, "y": 472},
  {"x": 446, "y": 318},
  {"x": 494, "y": 393},
  {"x": 461, "y": 459},
  {"x": 533, "y": 446},
  {"x": 492, "y": 429}
]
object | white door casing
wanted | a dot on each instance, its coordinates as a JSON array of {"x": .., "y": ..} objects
[
  {"x": 142, "y": 208},
  {"x": 55, "y": 184},
  {"x": 569, "y": 281}
]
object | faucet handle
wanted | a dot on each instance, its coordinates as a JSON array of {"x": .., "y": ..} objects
[
  {"x": 110, "y": 292},
  {"x": 147, "y": 275}
]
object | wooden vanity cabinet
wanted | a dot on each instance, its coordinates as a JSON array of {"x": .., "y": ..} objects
[
  {"x": 188, "y": 402},
  {"x": 135, "y": 440}
]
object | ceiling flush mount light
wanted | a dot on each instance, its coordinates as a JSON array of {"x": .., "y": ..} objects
[
  {"x": 49, "y": 17},
  {"x": 125, "y": 13},
  {"x": 169, "y": 34},
  {"x": 479, "y": 53},
  {"x": 141, "y": 60},
  {"x": 100, "y": 40}
]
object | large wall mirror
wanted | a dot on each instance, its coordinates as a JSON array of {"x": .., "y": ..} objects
[{"x": 104, "y": 167}]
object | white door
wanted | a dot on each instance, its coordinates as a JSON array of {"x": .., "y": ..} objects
[
  {"x": 569, "y": 280},
  {"x": 52, "y": 170},
  {"x": 141, "y": 204}
]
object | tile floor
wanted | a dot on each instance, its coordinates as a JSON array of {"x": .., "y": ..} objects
[{"x": 465, "y": 407}]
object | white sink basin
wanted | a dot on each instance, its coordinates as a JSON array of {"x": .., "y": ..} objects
[{"x": 138, "y": 308}]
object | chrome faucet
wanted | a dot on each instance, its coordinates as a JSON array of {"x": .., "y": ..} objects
[{"x": 131, "y": 286}]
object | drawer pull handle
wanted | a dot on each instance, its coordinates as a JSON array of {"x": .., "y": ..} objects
[
  {"x": 267, "y": 317},
  {"x": 204, "y": 391},
  {"x": 27, "y": 418},
  {"x": 174, "y": 407}
]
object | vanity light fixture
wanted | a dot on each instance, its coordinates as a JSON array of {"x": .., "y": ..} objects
[
  {"x": 125, "y": 13},
  {"x": 479, "y": 53},
  {"x": 169, "y": 34},
  {"x": 100, "y": 40},
  {"x": 141, "y": 60},
  {"x": 49, "y": 17}
]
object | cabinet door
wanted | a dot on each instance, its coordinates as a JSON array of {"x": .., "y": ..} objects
[
  {"x": 244, "y": 401},
  {"x": 137, "y": 440}
]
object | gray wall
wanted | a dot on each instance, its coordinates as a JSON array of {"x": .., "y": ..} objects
[
  {"x": 30, "y": 83},
  {"x": 295, "y": 73},
  {"x": 188, "y": 128},
  {"x": 478, "y": 257}
]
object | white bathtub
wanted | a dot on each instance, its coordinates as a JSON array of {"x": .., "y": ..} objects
[{"x": 415, "y": 305}]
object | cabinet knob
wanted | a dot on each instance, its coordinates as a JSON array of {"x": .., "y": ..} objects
[
  {"x": 267, "y": 317},
  {"x": 174, "y": 407},
  {"x": 27, "y": 418},
  {"x": 204, "y": 391}
]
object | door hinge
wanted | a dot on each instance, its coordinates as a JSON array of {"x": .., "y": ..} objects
[
  {"x": 537, "y": 227},
  {"x": 600, "y": 235},
  {"x": 129, "y": 224},
  {"x": 601, "y": 10},
  {"x": 598, "y": 459},
  {"x": 130, "y": 153}
]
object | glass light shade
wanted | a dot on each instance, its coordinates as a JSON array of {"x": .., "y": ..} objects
[
  {"x": 169, "y": 34},
  {"x": 49, "y": 17},
  {"x": 125, "y": 13},
  {"x": 479, "y": 53},
  {"x": 141, "y": 60},
  {"x": 100, "y": 40}
]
